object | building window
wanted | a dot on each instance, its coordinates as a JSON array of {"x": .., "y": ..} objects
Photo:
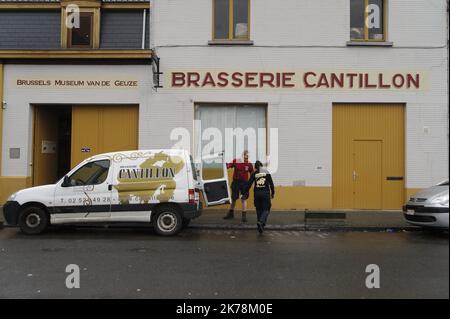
[
  {"x": 231, "y": 19},
  {"x": 232, "y": 128},
  {"x": 367, "y": 20},
  {"x": 86, "y": 35},
  {"x": 82, "y": 37}
]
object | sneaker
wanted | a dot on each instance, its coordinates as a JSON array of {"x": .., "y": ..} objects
[
  {"x": 230, "y": 215},
  {"x": 260, "y": 227},
  {"x": 244, "y": 217}
]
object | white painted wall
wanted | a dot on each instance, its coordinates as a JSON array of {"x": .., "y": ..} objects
[
  {"x": 299, "y": 22},
  {"x": 287, "y": 35},
  {"x": 303, "y": 35},
  {"x": 18, "y": 122}
]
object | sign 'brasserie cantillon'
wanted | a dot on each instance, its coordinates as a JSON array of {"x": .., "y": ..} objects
[{"x": 299, "y": 80}]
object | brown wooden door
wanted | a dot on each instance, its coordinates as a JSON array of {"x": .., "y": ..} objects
[{"x": 45, "y": 146}]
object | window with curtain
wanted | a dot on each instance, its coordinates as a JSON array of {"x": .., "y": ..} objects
[
  {"x": 231, "y": 19},
  {"x": 231, "y": 128},
  {"x": 367, "y": 20}
]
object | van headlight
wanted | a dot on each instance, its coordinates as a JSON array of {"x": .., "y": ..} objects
[
  {"x": 440, "y": 200},
  {"x": 12, "y": 197}
]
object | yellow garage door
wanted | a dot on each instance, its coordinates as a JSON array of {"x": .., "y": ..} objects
[
  {"x": 100, "y": 129},
  {"x": 368, "y": 156}
]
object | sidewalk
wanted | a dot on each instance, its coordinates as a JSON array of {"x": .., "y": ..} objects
[
  {"x": 315, "y": 220},
  {"x": 295, "y": 220}
]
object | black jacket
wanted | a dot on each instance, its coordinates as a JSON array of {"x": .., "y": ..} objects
[{"x": 263, "y": 182}]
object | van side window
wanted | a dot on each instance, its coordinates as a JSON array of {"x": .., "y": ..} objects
[{"x": 93, "y": 173}]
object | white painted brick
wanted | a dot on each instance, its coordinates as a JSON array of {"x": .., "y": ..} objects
[
  {"x": 303, "y": 35},
  {"x": 287, "y": 35},
  {"x": 17, "y": 118}
]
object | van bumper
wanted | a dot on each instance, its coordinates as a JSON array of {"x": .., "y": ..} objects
[
  {"x": 191, "y": 211},
  {"x": 11, "y": 213}
]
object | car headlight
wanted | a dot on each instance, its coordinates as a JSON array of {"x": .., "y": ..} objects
[
  {"x": 12, "y": 197},
  {"x": 440, "y": 200}
]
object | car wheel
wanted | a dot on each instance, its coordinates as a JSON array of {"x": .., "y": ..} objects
[
  {"x": 33, "y": 220},
  {"x": 168, "y": 221}
]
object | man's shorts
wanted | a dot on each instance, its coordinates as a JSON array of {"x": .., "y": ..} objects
[{"x": 238, "y": 187}]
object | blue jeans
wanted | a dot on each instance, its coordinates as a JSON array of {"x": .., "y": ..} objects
[{"x": 262, "y": 216}]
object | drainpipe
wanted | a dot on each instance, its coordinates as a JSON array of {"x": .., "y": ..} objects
[{"x": 448, "y": 106}]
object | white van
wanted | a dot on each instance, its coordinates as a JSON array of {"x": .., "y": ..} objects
[{"x": 160, "y": 187}]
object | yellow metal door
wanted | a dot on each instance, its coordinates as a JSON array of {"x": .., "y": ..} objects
[
  {"x": 119, "y": 128},
  {"x": 85, "y": 132},
  {"x": 368, "y": 122},
  {"x": 45, "y": 144},
  {"x": 367, "y": 175},
  {"x": 102, "y": 129}
]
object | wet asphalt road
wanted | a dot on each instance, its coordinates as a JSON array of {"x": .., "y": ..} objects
[{"x": 127, "y": 263}]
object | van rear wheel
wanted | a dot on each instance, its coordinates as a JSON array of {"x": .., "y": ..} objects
[
  {"x": 168, "y": 221},
  {"x": 33, "y": 220}
]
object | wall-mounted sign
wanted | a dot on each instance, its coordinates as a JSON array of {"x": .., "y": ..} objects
[
  {"x": 76, "y": 83},
  {"x": 85, "y": 150},
  {"x": 14, "y": 153},
  {"x": 48, "y": 147},
  {"x": 305, "y": 80}
]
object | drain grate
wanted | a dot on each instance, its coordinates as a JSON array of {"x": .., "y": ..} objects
[{"x": 325, "y": 215}]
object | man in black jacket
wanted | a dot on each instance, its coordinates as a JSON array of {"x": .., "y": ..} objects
[{"x": 264, "y": 191}]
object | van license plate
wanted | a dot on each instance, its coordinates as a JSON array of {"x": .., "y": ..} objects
[{"x": 410, "y": 212}]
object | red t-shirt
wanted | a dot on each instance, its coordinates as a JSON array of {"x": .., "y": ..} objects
[{"x": 242, "y": 170}]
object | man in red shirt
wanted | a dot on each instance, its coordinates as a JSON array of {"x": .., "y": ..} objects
[{"x": 242, "y": 169}]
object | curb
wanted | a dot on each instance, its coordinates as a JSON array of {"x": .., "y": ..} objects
[
  {"x": 366, "y": 229},
  {"x": 301, "y": 227},
  {"x": 296, "y": 228},
  {"x": 248, "y": 227}
]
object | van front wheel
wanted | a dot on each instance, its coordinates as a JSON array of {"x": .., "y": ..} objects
[
  {"x": 168, "y": 221},
  {"x": 33, "y": 220}
]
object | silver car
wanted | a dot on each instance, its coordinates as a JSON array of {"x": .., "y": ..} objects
[{"x": 429, "y": 208}]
